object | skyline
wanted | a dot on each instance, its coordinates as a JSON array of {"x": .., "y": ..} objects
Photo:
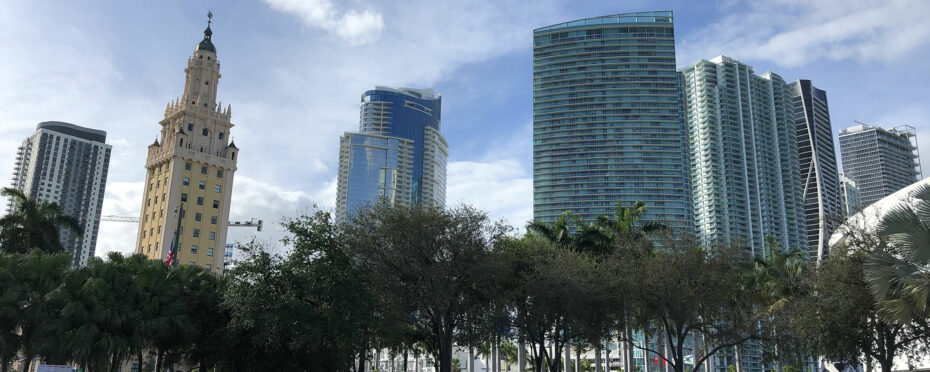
[{"x": 85, "y": 74}]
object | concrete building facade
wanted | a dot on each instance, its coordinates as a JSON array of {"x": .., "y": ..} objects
[
  {"x": 744, "y": 156},
  {"x": 67, "y": 164},
  {"x": 880, "y": 161},
  {"x": 189, "y": 172}
]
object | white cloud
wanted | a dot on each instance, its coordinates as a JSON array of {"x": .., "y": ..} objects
[
  {"x": 121, "y": 199},
  {"x": 351, "y": 26},
  {"x": 503, "y": 188},
  {"x": 799, "y": 32}
]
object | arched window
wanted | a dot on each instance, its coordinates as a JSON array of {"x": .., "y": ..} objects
[{"x": 205, "y": 132}]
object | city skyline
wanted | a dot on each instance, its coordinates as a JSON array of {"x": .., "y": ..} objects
[{"x": 85, "y": 75}]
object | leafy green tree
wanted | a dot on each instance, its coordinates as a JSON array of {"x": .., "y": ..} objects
[
  {"x": 843, "y": 322},
  {"x": 33, "y": 224},
  {"x": 428, "y": 258},
  {"x": 309, "y": 311},
  {"x": 682, "y": 289}
]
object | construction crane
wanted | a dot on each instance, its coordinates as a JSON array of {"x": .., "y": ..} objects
[{"x": 249, "y": 223}]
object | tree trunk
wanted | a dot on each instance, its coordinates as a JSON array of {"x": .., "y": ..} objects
[
  {"x": 607, "y": 356},
  {"x": 577, "y": 359},
  {"x": 405, "y": 360},
  {"x": 361, "y": 360},
  {"x": 739, "y": 359},
  {"x": 597, "y": 359},
  {"x": 471, "y": 359},
  {"x": 445, "y": 354},
  {"x": 158, "y": 360},
  {"x": 521, "y": 354},
  {"x": 493, "y": 356},
  {"x": 568, "y": 358},
  {"x": 27, "y": 360},
  {"x": 886, "y": 363}
]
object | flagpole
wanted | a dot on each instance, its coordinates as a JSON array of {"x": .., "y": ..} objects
[{"x": 175, "y": 248}]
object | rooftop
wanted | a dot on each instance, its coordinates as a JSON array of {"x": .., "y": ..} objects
[
  {"x": 638, "y": 17},
  {"x": 74, "y": 130}
]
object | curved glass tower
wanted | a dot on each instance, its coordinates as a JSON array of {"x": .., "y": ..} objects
[
  {"x": 607, "y": 119},
  {"x": 819, "y": 176},
  {"x": 398, "y": 153}
]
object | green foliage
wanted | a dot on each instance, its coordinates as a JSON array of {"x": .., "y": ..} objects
[
  {"x": 33, "y": 224},
  {"x": 418, "y": 280}
]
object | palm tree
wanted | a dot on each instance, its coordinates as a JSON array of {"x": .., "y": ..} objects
[
  {"x": 777, "y": 280},
  {"x": 899, "y": 276},
  {"x": 39, "y": 274},
  {"x": 33, "y": 224},
  {"x": 558, "y": 231}
]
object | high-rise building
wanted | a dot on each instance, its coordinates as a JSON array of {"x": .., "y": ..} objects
[
  {"x": 880, "y": 161},
  {"x": 398, "y": 154},
  {"x": 819, "y": 174},
  {"x": 67, "y": 164},
  {"x": 851, "y": 204},
  {"x": 744, "y": 156},
  {"x": 189, "y": 173},
  {"x": 607, "y": 119}
]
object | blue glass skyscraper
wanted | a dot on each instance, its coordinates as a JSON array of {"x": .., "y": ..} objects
[
  {"x": 607, "y": 119},
  {"x": 398, "y": 153}
]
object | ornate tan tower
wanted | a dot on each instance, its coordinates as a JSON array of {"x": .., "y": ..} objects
[{"x": 189, "y": 174}]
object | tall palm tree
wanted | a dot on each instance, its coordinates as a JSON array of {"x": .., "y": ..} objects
[
  {"x": 558, "y": 231},
  {"x": 33, "y": 224},
  {"x": 899, "y": 276},
  {"x": 776, "y": 281}
]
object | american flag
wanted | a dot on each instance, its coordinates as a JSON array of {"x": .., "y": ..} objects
[{"x": 171, "y": 258}]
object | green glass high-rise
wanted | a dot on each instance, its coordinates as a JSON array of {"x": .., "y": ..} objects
[{"x": 607, "y": 119}]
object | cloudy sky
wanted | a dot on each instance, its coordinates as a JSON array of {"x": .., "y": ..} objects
[{"x": 294, "y": 71}]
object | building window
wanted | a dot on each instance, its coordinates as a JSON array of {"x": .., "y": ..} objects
[
  {"x": 203, "y": 170},
  {"x": 216, "y": 204},
  {"x": 187, "y": 166},
  {"x": 187, "y": 181},
  {"x": 216, "y": 188},
  {"x": 207, "y": 267},
  {"x": 190, "y": 127},
  {"x": 198, "y": 216},
  {"x": 212, "y": 235},
  {"x": 199, "y": 200},
  {"x": 219, "y": 173},
  {"x": 183, "y": 213},
  {"x": 196, "y": 233},
  {"x": 194, "y": 249},
  {"x": 213, "y": 220},
  {"x": 209, "y": 252},
  {"x": 202, "y": 185},
  {"x": 183, "y": 197},
  {"x": 222, "y": 135},
  {"x": 205, "y": 131}
]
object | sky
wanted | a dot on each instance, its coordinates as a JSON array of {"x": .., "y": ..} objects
[{"x": 294, "y": 72}]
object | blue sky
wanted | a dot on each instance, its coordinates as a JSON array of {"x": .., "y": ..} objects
[{"x": 294, "y": 72}]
